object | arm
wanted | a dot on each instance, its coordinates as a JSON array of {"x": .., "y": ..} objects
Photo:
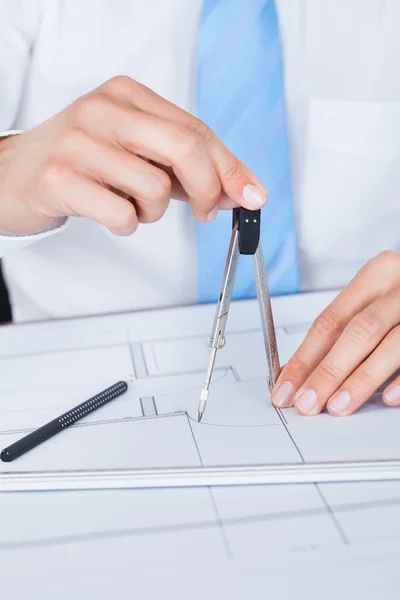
[
  {"x": 116, "y": 155},
  {"x": 19, "y": 21}
]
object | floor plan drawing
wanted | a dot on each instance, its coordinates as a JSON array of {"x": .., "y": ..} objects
[
  {"x": 47, "y": 368},
  {"x": 159, "y": 413}
]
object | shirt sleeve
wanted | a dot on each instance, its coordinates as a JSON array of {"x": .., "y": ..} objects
[
  {"x": 19, "y": 22},
  {"x": 10, "y": 243}
]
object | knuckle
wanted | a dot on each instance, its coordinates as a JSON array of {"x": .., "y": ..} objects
[
  {"x": 124, "y": 217},
  {"x": 52, "y": 175},
  {"x": 299, "y": 369},
  {"x": 153, "y": 215},
  {"x": 161, "y": 187},
  {"x": 387, "y": 259},
  {"x": 121, "y": 85},
  {"x": 70, "y": 141},
  {"x": 365, "y": 326},
  {"x": 189, "y": 144},
  {"x": 327, "y": 324},
  {"x": 202, "y": 131},
  {"x": 233, "y": 171},
  {"x": 208, "y": 198},
  {"x": 394, "y": 335},
  {"x": 329, "y": 373},
  {"x": 213, "y": 196},
  {"x": 93, "y": 106},
  {"x": 366, "y": 378}
]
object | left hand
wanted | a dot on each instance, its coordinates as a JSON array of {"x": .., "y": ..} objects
[{"x": 352, "y": 348}]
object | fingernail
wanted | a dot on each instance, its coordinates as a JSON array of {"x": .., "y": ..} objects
[
  {"x": 307, "y": 401},
  {"x": 253, "y": 196},
  {"x": 212, "y": 215},
  {"x": 284, "y": 395},
  {"x": 340, "y": 402},
  {"x": 392, "y": 395}
]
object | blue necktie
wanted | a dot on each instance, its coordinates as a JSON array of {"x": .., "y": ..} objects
[{"x": 241, "y": 97}]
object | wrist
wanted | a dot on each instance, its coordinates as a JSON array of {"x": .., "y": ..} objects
[
  {"x": 8, "y": 134},
  {"x": 5, "y": 141},
  {"x": 17, "y": 220}
]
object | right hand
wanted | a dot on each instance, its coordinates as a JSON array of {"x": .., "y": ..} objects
[{"x": 116, "y": 155}]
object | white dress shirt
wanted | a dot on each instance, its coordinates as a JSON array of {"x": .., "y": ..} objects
[{"x": 343, "y": 98}]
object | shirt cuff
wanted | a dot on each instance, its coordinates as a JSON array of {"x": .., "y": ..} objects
[
  {"x": 10, "y": 243},
  {"x": 5, "y": 134}
]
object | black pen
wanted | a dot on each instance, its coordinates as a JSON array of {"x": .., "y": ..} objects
[{"x": 47, "y": 431}]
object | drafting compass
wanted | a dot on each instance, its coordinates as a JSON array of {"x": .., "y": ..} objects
[{"x": 245, "y": 240}]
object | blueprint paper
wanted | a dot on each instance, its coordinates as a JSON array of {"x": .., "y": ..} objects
[
  {"x": 155, "y": 423},
  {"x": 164, "y": 542},
  {"x": 172, "y": 542}
]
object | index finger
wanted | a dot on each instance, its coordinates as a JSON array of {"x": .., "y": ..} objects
[
  {"x": 237, "y": 181},
  {"x": 327, "y": 328}
]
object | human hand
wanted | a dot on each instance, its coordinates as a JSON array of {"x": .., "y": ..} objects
[
  {"x": 116, "y": 156},
  {"x": 352, "y": 348}
]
